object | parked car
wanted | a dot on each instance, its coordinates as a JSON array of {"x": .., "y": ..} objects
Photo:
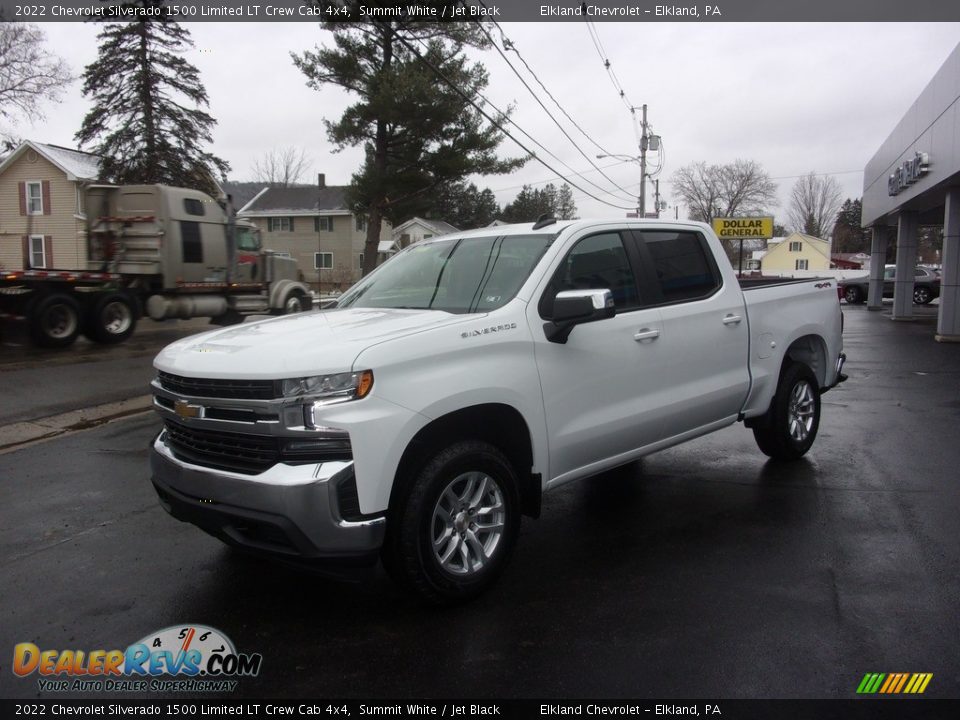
[{"x": 926, "y": 286}]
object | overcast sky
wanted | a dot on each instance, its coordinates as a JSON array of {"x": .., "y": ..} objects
[{"x": 793, "y": 97}]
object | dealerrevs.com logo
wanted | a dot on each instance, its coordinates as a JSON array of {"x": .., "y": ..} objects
[{"x": 199, "y": 658}]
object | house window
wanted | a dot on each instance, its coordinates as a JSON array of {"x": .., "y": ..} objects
[
  {"x": 802, "y": 265},
  {"x": 323, "y": 261},
  {"x": 323, "y": 224},
  {"x": 796, "y": 246},
  {"x": 427, "y": 236},
  {"x": 81, "y": 209},
  {"x": 38, "y": 257},
  {"x": 361, "y": 223},
  {"x": 361, "y": 262},
  {"x": 34, "y": 198},
  {"x": 280, "y": 224}
]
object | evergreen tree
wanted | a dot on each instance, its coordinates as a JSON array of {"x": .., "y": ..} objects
[
  {"x": 464, "y": 206},
  {"x": 417, "y": 130},
  {"x": 566, "y": 207},
  {"x": 146, "y": 120},
  {"x": 848, "y": 236}
]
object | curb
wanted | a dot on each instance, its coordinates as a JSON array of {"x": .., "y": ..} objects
[{"x": 16, "y": 435}]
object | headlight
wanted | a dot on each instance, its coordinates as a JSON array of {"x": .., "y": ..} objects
[{"x": 329, "y": 389}]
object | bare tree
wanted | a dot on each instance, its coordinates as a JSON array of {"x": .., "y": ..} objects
[
  {"x": 281, "y": 167},
  {"x": 29, "y": 73},
  {"x": 814, "y": 203},
  {"x": 735, "y": 189}
]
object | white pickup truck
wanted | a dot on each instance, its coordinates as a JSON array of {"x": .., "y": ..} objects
[{"x": 449, "y": 389}]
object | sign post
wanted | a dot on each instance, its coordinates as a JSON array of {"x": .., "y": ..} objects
[{"x": 743, "y": 227}]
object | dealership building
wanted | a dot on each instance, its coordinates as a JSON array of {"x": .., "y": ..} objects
[{"x": 914, "y": 180}]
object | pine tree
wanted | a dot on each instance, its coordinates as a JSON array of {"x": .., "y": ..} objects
[
  {"x": 417, "y": 129},
  {"x": 566, "y": 207},
  {"x": 848, "y": 236},
  {"x": 146, "y": 120}
]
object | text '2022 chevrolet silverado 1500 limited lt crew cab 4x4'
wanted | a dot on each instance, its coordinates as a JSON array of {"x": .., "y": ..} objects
[{"x": 419, "y": 419}]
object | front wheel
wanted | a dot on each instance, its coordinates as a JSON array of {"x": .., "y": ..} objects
[
  {"x": 451, "y": 534},
  {"x": 292, "y": 303},
  {"x": 922, "y": 295},
  {"x": 789, "y": 427}
]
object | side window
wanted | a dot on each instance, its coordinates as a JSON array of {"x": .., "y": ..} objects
[
  {"x": 190, "y": 236},
  {"x": 683, "y": 264},
  {"x": 598, "y": 262},
  {"x": 889, "y": 273},
  {"x": 193, "y": 206}
]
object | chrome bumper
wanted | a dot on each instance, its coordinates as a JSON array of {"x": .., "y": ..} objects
[{"x": 287, "y": 510}]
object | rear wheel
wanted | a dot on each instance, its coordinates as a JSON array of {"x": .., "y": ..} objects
[
  {"x": 54, "y": 320},
  {"x": 853, "y": 295},
  {"x": 112, "y": 319},
  {"x": 922, "y": 295},
  {"x": 790, "y": 426},
  {"x": 451, "y": 534}
]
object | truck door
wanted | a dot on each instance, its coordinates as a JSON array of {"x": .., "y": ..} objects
[
  {"x": 598, "y": 386},
  {"x": 705, "y": 339},
  {"x": 203, "y": 243}
]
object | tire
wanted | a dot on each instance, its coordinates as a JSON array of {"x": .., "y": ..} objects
[
  {"x": 450, "y": 535},
  {"x": 922, "y": 295},
  {"x": 292, "y": 303},
  {"x": 853, "y": 295},
  {"x": 111, "y": 319},
  {"x": 54, "y": 321},
  {"x": 790, "y": 426}
]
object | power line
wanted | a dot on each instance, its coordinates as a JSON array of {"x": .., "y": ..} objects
[
  {"x": 453, "y": 86},
  {"x": 551, "y": 179},
  {"x": 549, "y": 114},
  {"x": 595, "y": 36}
]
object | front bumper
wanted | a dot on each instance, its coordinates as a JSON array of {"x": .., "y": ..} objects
[{"x": 287, "y": 510}]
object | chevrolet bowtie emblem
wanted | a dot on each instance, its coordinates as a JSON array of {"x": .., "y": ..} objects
[{"x": 186, "y": 410}]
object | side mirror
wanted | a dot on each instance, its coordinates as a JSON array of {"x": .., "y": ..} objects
[{"x": 574, "y": 307}]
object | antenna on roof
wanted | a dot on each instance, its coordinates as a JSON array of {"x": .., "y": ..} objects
[{"x": 544, "y": 220}]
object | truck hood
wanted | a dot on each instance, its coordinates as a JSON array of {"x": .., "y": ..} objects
[{"x": 296, "y": 345}]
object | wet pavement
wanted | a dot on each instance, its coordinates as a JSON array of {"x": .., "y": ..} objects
[{"x": 704, "y": 571}]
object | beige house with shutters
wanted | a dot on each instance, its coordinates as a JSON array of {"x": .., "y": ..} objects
[
  {"x": 312, "y": 224},
  {"x": 42, "y": 218}
]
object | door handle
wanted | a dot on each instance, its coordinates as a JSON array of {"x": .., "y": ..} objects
[
  {"x": 646, "y": 334},
  {"x": 732, "y": 320}
]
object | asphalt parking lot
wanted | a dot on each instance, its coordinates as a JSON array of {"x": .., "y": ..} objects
[{"x": 704, "y": 571}]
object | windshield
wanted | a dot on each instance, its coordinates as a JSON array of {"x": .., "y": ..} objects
[{"x": 456, "y": 275}]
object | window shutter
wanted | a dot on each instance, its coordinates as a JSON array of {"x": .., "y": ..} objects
[
  {"x": 48, "y": 249},
  {"x": 22, "y": 189},
  {"x": 291, "y": 224},
  {"x": 26, "y": 248},
  {"x": 316, "y": 224},
  {"x": 45, "y": 185}
]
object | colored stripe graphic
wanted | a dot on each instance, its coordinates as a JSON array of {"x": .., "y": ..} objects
[{"x": 894, "y": 683}]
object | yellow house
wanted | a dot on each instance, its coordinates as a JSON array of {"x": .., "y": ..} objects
[
  {"x": 42, "y": 218},
  {"x": 795, "y": 253}
]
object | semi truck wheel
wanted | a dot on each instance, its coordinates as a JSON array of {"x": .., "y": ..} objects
[
  {"x": 111, "y": 319},
  {"x": 292, "y": 303},
  {"x": 790, "y": 426},
  {"x": 54, "y": 320},
  {"x": 451, "y": 534}
]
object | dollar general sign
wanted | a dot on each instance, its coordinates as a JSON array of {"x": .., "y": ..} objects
[{"x": 743, "y": 227}]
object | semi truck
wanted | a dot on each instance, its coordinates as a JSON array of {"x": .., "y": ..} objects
[
  {"x": 157, "y": 250},
  {"x": 472, "y": 373}
]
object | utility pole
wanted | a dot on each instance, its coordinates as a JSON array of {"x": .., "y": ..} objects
[
  {"x": 643, "y": 163},
  {"x": 656, "y": 196}
]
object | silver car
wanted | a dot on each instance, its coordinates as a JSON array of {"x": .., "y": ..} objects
[{"x": 926, "y": 286}]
